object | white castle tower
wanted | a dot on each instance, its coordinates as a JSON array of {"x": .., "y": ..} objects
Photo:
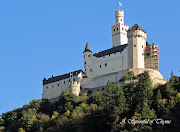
[
  {"x": 119, "y": 31},
  {"x": 136, "y": 46},
  {"x": 87, "y": 59}
]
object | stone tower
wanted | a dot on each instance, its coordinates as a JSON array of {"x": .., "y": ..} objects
[
  {"x": 119, "y": 31},
  {"x": 136, "y": 46},
  {"x": 87, "y": 59}
]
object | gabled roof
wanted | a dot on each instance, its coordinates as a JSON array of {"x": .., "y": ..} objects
[
  {"x": 61, "y": 77},
  {"x": 110, "y": 51},
  {"x": 87, "y": 48},
  {"x": 136, "y": 27}
]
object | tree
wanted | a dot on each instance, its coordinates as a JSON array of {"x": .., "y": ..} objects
[
  {"x": 158, "y": 96},
  {"x": 29, "y": 118},
  {"x": 114, "y": 97},
  {"x": 55, "y": 115},
  {"x": 97, "y": 98},
  {"x": 143, "y": 92},
  {"x": 129, "y": 90}
]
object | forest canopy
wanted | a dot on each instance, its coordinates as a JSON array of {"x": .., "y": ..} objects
[{"x": 107, "y": 111}]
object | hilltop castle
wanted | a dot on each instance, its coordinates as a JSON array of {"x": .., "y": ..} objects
[{"x": 130, "y": 52}]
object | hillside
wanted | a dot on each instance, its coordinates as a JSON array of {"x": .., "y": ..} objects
[{"x": 136, "y": 107}]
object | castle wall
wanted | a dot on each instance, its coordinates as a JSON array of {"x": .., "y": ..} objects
[
  {"x": 53, "y": 90},
  {"x": 107, "y": 64},
  {"x": 102, "y": 80}
]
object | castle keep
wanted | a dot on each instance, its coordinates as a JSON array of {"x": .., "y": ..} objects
[{"x": 130, "y": 52}]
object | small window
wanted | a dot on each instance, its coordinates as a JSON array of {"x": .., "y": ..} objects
[
  {"x": 105, "y": 64},
  {"x": 89, "y": 55},
  {"x": 69, "y": 80},
  {"x": 100, "y": 66},
  {"x": 84, "y": 62},
  {"x": 134, "y": 45},
  {"x": 74, "y": 79},
  {"x": 58, "y": 84},
  {"x": 142, "y": 46},
  {"x": 109, "y": 54},
  {"x": 123, "y": 29},
  {"x": 114, "y": 30},
  {"x": 85, "y": 69},
  {"x": 121, "y": 20},
  {"x": 47, "y": 87},
  {"x": 52, "y": 86},
  {"x": 64, "y": 82},
  {"x": 117, "y": 29}
]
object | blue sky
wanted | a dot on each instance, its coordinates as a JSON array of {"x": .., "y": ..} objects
[{"x": 39, "y": 38}]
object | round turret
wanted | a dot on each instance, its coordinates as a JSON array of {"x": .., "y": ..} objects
[
  {"x": 87, "y": 58},
  {"x": 119, "y": 15},
  {"x": 75, "y": 88},
  {"x": 136, "y": 46}
]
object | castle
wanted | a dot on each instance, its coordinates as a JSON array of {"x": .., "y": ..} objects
[{"x": 130, "y": 52}]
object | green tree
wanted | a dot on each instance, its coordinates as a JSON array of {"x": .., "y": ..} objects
[
  {"x": 158, "y": 96},
  {"x": 143, "y": 92},
  {"x": 29, "y": 118},
  {"x": 114, "y": 97},
  {"x": 97, "y": 98},
  {"x": 68, "y": 106},
  {"x": 129, "y": 90}
]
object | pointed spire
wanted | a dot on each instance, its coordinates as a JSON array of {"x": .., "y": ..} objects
[{"x": 87, "y": 48}]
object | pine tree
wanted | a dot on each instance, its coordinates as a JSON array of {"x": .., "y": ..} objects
[
  {"x": 114, "y": 97},
  {"x": 158, "y": 96},
  {"x": 143, "y": 92}
]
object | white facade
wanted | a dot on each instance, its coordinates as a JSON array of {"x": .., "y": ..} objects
[
  {"x": 98, "y": 66},
  {"x": 53, "y": 89},
  {"x": 126, "y": 54},
  {"x": 119, "y": 30},
  {"x": 136, "y": 46}
]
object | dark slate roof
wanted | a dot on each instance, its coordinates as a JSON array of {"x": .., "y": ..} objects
[
  {"x": 87, "y": 48},
  {"x": 136, "y": 27},
  {"x": 110, "y": 51},
  {"x": 61, "y": 77}
]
